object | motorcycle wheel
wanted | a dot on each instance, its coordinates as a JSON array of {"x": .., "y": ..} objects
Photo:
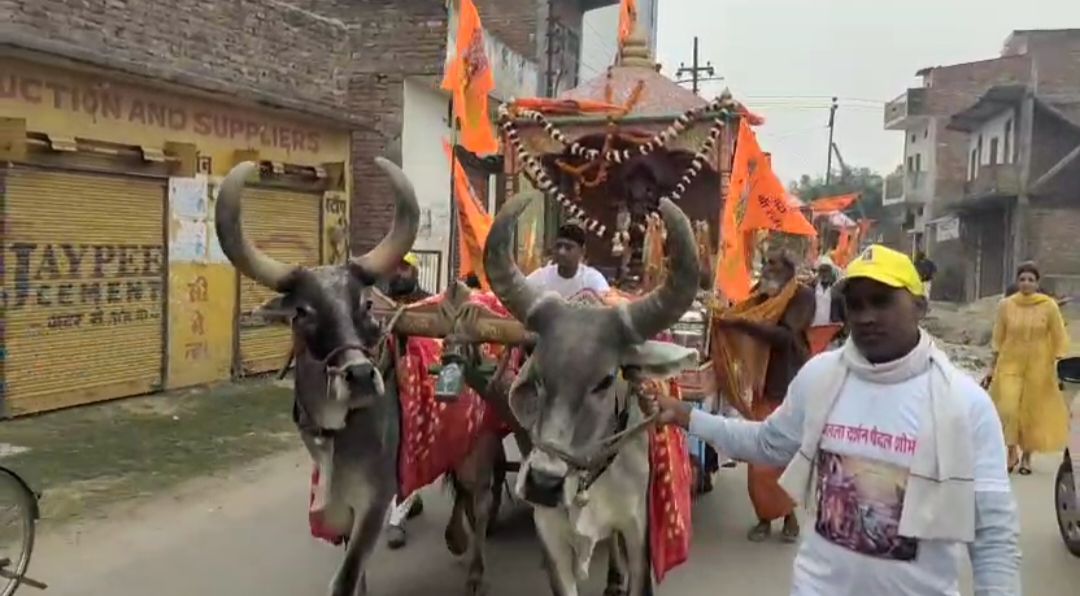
[{"x": 1067, "y": 507}]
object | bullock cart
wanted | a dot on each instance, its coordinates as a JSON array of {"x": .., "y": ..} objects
[{"x": 606, "y": 152}]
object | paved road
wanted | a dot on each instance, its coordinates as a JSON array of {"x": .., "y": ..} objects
[{"x": 247, "y": 535}]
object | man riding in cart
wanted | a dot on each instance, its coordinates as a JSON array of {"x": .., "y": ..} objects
[{"x": 567, "y": 275}]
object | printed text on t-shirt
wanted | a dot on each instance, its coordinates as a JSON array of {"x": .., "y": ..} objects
[{"x": 902, "y": 443}]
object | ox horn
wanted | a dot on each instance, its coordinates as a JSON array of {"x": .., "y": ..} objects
[
  {"x": 506, "y": 280},
  {"x": 248, "y": 260},
  {"x": 386, "y": 255},
  {"x": 661, "y": 308}
]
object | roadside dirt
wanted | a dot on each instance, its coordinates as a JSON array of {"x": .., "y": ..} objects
[{"x": 86, "y": 459}]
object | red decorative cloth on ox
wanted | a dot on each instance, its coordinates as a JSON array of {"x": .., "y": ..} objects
[
  {"x": 669, "y": 492},
  {"x": 435, "y": 436},
  {"x": 670, "y": 483}
]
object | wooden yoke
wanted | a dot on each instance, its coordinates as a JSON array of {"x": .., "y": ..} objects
[{"x": 452, "y": 315}]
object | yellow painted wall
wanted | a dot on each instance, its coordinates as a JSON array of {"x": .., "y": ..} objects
[
  {"x": 69, "y": 104},
  {"x": 335, "y": 232},
  {"x": 202, "y": 287},
  {"x": 201, "y": 326},
  {"x": 202, "y": 290}
]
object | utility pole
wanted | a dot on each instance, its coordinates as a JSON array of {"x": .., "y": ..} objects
[
  {"x": 832, "y": 128},
  {"x": 695, "y": 70}
]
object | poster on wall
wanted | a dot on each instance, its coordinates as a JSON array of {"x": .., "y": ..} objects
[
  {"x": 948, "y": 229},
  {"x": 192, "y": 237}
]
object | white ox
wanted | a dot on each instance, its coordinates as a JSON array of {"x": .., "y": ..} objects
[{"x": 587, "y": 476}]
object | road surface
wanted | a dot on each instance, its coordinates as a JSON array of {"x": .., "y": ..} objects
[{"x": 247, "y": 535}]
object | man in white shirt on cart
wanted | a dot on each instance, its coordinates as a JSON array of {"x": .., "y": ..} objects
[{"x": 567, "y": 275}]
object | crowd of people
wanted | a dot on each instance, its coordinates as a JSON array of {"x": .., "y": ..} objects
[{"x": 901, "y": 457}]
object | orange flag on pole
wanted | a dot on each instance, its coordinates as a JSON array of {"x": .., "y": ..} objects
[
  {"x": 469, "y": 77},
  {"x": 833, "y": 203},
  {"x": 627, "y": 20},
  {"x": 767, "y": 207},
  {"x": 732, "y": 273},
  {"x": 473, "y": 223}
]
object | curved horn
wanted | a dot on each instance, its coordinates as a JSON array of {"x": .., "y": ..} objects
[
  {"x": 248, "y": 260},
  {"x": 506, "y": 280},
  {"x": 661, "y": 308},
  {"x": 386, "y": 255}
]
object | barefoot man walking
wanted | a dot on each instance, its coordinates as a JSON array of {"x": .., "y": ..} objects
[{"x": 769, "y": 330}]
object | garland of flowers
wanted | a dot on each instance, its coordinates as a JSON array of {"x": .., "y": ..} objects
[
  {"x": 724, "y": 105},
  {"x": 544, "y": 183}
]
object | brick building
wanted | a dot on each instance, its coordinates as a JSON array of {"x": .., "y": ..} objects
[
  {"x": 933, "y": 186},
  {"x": 343, "y": 63}
]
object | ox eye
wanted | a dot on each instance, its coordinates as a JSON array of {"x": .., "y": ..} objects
[
  {"x": 303, "y": 311},
  {"x": 604, "y": 384}
]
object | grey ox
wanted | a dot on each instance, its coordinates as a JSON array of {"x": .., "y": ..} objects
[
  {"x": 347, "y": 411},
  {"x": 587, "y": 475}
]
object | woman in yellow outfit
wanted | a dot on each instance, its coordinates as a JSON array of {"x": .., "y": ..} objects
[{"x": 1029, "y": 337}]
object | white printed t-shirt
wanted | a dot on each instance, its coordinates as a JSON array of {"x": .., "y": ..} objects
[
  {"x": 548, "y": 279},
  {"x": 862, "y": 468}
]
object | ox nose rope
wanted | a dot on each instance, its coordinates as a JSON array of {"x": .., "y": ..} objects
[
  {"x": 607, "y": 448},
  {"x": 376, "y": 356}
]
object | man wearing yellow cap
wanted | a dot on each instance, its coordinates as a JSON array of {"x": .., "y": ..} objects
[{"x": 897, "y": 454}]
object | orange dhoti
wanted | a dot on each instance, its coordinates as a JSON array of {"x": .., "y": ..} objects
[{"x": 769, "y": 499}]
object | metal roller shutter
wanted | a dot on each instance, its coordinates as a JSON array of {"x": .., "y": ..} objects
[
  {"x": 84, "y": 279},
  {"x": 285, "y": 225}
]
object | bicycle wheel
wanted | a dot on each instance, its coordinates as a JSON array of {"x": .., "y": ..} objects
[{"x": 17, "y": 505}]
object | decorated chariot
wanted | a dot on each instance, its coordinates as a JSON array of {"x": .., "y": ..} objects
[{"x": 606, "y": 152}]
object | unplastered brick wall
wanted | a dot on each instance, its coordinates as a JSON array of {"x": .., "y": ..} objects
[
  {"x": 954, "y": 88},
  {"x": 392, "y": 43},
  {"x": 265, "y": 45},
  {"x": 1055, "y": 225}
]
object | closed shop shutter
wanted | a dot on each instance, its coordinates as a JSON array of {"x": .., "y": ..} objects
[
  {"x": 285, "y": 225},
  {"x": 84, "y": 282}
]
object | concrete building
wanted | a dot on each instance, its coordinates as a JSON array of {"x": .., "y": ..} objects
[
  {"x": 924, "y": 193},
  {"x": 1021, "y": 189},
  {"x": 599, "y": 41}
]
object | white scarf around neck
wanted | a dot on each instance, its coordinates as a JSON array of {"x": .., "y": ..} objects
[{"x": 939, "y": 503}]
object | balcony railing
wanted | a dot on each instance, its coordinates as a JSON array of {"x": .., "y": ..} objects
[
  {"x": 1002, "y": 179},
  {"x": 900, "y": 112}
]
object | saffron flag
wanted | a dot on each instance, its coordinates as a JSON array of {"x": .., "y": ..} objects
[
  {"x": 767, "y": 207},
  {"x": 627, "y": 20},
  {"x": 732, "y": 272},
  {"x": 473, "y": 222},
  {"x": 834, "y": 203},
  {"x": 470, "y": 78}
]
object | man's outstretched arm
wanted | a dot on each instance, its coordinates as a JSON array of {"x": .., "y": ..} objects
[{"x": 774, "y": 441}]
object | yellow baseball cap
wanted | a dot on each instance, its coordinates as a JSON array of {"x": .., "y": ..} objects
[
  {"x": 411, "y": 259},
  {"x": 887, "y": 266}
]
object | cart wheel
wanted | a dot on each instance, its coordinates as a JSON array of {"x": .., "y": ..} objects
[
  {"x": 1067, "y": 507},
  {"x": 18, "y": 514}
]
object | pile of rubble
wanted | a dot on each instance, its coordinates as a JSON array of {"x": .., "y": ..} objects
[{"x": 964, "y": 331}]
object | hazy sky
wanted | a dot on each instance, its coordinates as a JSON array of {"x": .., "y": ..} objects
[{"x": 786, "y": 58}]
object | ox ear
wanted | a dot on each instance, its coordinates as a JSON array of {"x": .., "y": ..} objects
[
  {"x": 660, "y": 359},
  {"x": 524, "y": 397},
  {"x": 278, "y": 310}
]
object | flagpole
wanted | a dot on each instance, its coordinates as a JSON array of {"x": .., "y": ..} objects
[{"x": 454, "y": 232}]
